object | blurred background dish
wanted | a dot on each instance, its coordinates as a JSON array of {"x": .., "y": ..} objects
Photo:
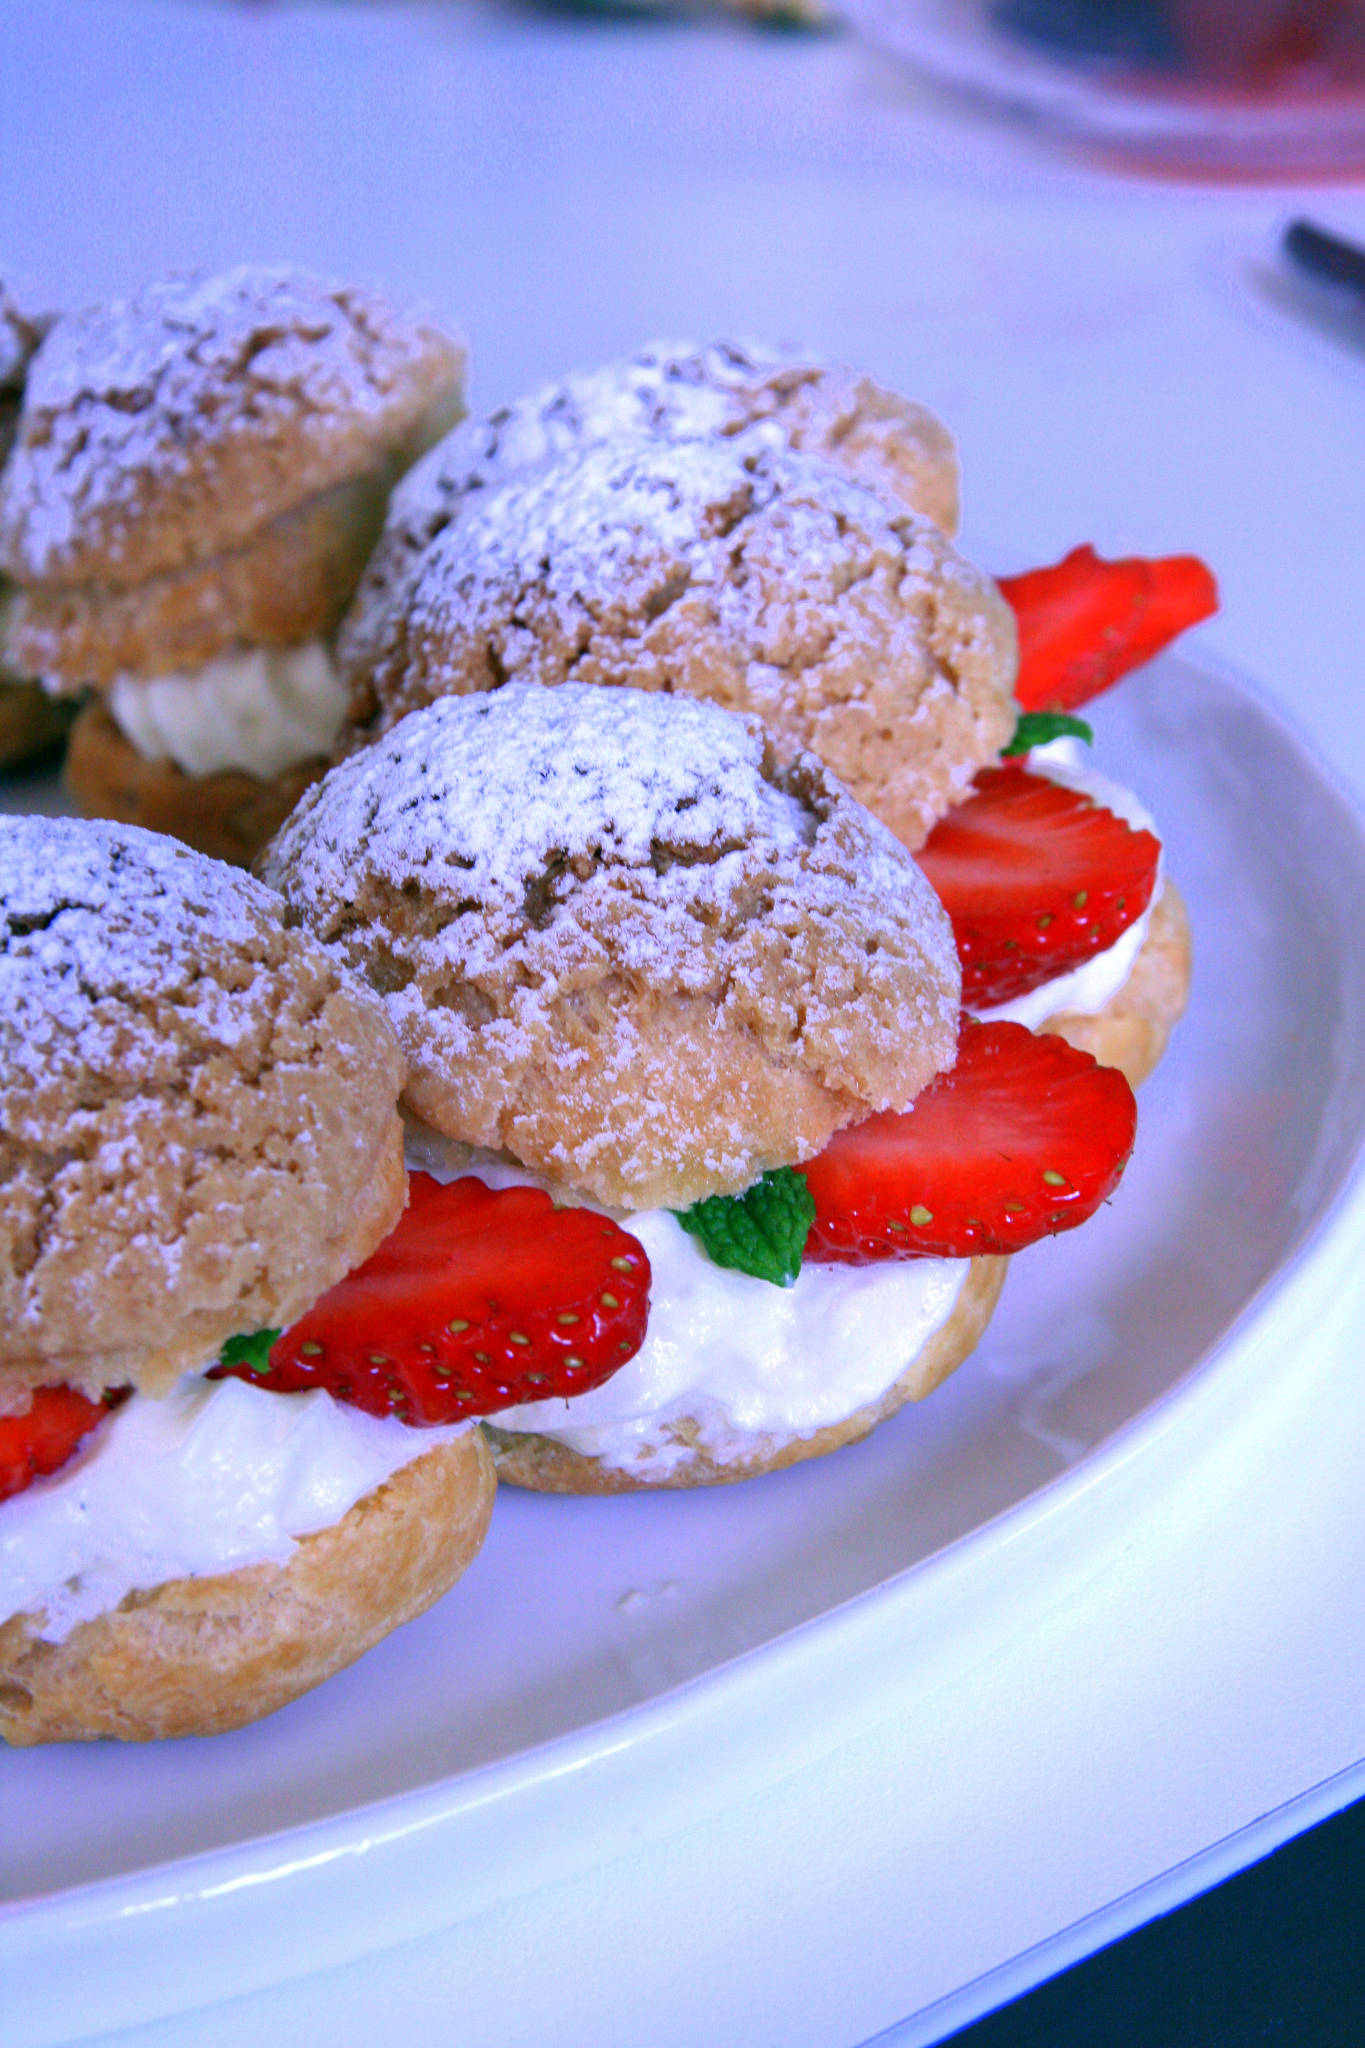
[{"x": 1255, "y": 89}]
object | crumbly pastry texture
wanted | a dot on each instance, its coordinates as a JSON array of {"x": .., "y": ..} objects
[
  {"x": 290, "y": 582},
  {"x": 198, "y": 1656},
  {"x": 620, "y": 941},
  {"x": 198, "y": 1131},
  {"x": 229, "y": 815},
  {"x": 169, "y": 427},
  {"x": 676, "y": 392},
  {"x": 542, "y": 1465},
  {"x": 758, "y": 578}
]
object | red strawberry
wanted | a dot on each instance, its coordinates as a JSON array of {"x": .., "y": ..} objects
[
  {"x": 1036, "y": 879},
  {"x": 41, "y": 1441},
  {"x": 1025, "y": 1136},
  {"x": 478, "y": 1300},
  {"x": 1084, "y": 622}
]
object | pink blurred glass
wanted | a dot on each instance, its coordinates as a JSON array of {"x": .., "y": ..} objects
[
  {"x": 1301, "y": 49},
  {"x": 1260, "y": 89}
]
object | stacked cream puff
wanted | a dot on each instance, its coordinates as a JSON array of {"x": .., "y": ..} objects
[
  {"x": 671, "y": 526},
  {"x": 767, "y": 533},
  {"x": 633, "y": 957},
  {"x": 198, "y": 476},
  {"x": 872, "y": 436},
  {"x": 200, "y": 1135},
  {"x": 652, "y": 686}
]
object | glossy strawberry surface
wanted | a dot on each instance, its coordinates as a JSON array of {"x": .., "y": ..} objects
[
  {"x": 1036, "y": 878},
  {"x": 479, "y": 1300},
  {"x": 38, "y": 1443},
  {"x": 1023, "y": 1137},
  {"x": 1084, "y": 622}
]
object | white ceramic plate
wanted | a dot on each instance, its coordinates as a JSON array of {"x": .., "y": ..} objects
[{"x": 569, "y": 1640}]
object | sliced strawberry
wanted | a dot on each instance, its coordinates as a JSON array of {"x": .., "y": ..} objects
[
  {"x": 1036, "y": 878},
  {"x": 1084, "y": 622},
  {"x": 41, "y": 1441},
  {"x": 1025, "y": 1136},
  {"x": 479, "y": 1299}
]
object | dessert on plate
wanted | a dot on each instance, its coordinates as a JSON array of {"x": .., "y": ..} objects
[
  {"x": 639, "y": 962},
  {"x": 198, "y": 475},
  {"x": 200, "y": 1137}
]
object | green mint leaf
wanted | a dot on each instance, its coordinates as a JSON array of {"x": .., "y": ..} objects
[
  {"x": 251, "y": 1349},
  {"x": 1036, "y": 728},
  {"x": 762, "y": 1232}
]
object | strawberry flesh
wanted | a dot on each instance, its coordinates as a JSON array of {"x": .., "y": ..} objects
[
  {"x": 1036, "y": 879},
  {"x": 1024, "y": 1137},
  {"x": 39, "y": 1442},
  {"x": 480, "y": 1299},
  {"x": 1084, "y": 622}
]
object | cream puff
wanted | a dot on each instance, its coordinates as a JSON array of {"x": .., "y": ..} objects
[
  {"x": 198, "y": 476},
  {"x": 201, "y": 1137},
  {"x": 870, "y": 434},
  {"x": 638, "y": 961},
  {"x": 758, "y": 578}
]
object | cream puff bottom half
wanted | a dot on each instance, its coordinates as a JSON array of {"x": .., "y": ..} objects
[
  {"x": 1132, "y": 1030},
  {"x": 198, "y": 1656},
  {"x": 229, "y": 815},
  {"x": 540, "y": 1463}
]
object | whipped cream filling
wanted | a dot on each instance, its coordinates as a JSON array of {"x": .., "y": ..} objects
[
  {"x": 736, "y": 1360},
  {"x": 261, "y": 709},
  {"x": 216, "y": 1475},
  {"x": 1086, "y": 990}
]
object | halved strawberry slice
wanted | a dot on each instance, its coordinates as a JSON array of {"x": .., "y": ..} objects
[
  {"x": 40, "y": 1442},
  {"x": 1024, "y": 1137},
  {"x": 1084, "y": 622},
  {"x": 478, "y": 1300},
  {"x": 1036, "y": 878}
]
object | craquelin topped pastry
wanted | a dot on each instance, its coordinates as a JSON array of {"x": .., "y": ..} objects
[
  {"x": 200, "y": 1137},
  {"x": 637, "y": 961},
  {"x": 673, "y": 393},
  {"x": 757, "y": 577},
  {"x": 198, "y": 477}
]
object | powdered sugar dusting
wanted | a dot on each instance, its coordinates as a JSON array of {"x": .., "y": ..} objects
[
  {"x": 615, "y": 936},
  {"x": 757, "y": 577},
  {"x": 608, "y": 540},
  {"x": 103, "y": 927},
  {"x": 670, "y": 391},
  {"x": 501, "y": 791},
  {"x": 123, "y": 398},
  {"x": 190, "y": 1097}
]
